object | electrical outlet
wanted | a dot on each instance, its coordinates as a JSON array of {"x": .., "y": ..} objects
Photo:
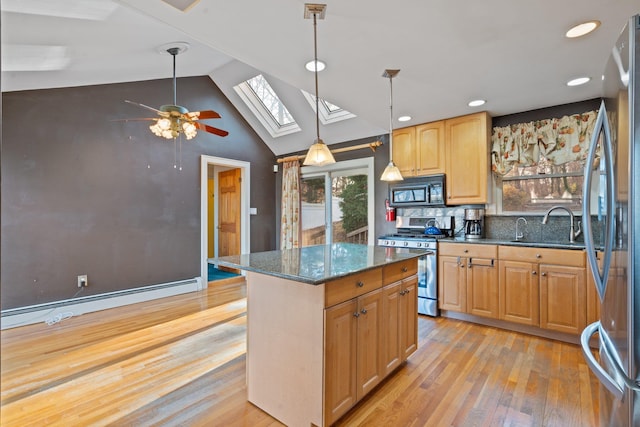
[{"x": 83, "y": 281}]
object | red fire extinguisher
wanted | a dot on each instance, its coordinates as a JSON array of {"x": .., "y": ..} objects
[{"x": 390, "y": 214}]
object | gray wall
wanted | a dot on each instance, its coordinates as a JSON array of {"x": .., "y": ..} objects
[{"x": 82, "y": 194}]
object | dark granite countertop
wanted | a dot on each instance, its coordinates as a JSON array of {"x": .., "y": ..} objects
[
  {"x": 317, "y": 264},
  {"x": 525, "y": 243}
]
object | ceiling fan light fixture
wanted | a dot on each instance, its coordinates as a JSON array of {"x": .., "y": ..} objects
[
  {"x": 318, "y": 154},
  {"x": 391, "y": 172}
]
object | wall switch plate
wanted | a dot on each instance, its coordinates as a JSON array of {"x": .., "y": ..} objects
[
  {"x": 253, "y": 211},
  {"x": 83, "y": 281}
]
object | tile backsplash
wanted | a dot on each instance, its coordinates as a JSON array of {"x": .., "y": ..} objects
[{"x": 500, "y": 227}]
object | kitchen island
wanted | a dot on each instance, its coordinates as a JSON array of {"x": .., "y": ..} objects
[{"x": 325, "y": 324}]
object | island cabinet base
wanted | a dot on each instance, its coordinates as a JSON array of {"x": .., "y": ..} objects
[
  {"x": 313, "y": 351},
  {"x": 285, "y": 345}
]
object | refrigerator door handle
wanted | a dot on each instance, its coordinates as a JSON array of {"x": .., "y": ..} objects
[
  {"x": 601, "y": 125},
  {"x": 595, "y": 367}
]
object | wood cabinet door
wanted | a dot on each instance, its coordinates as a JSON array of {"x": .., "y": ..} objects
[
  {"x": 404, "y": 150},
  {"x": 408, "y": 314},
  {"x": 369, "y": 337},
  {"x": 430, "y": 148},
  {"x": 519, "y": 296},
  {"x": 563, "y": 301},
  {"x": 391, "y": 355},
  {"x": 452, "y": 283},
  {"x": 482, "y": 288},
  {"x": 466, "y": 158},
  {"x": 341, "y": 325}
]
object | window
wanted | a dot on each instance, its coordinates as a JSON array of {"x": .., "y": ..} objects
[
  {"x": 337, "y": 203},
  {"x": 263, "y": 101},
  {"x": 536, "y": 188},
  {"x": 329, "y": 113}
]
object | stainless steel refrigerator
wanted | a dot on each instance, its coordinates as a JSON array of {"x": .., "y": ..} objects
[{"x": 612, "y": 237}]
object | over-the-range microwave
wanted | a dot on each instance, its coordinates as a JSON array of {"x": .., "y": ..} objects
[{"x": 424, "y": 191}]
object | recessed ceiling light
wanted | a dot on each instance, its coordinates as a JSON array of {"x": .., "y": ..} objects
[
  {"x": 579, "y": 81},
  {"x": 582, "y": 29},
  {"x": 404, "y": 118},
  {"x": 477, "y": 102},
  {"x": 311, "y": 65}
]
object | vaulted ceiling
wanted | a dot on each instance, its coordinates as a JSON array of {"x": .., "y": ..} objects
[{"x": 512, "y": 53}]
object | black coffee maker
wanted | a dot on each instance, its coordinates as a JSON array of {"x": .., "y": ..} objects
[{"x": 473, "y": 223}]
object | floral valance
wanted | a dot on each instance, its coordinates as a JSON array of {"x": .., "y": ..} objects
[{"x": 558, "y": 140}]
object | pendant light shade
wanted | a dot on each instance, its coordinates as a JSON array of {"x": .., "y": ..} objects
[
  {"x": 318, "y": 154},
  {"x": 391, "y": 172}
]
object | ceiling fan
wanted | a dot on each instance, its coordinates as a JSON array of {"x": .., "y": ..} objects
[{"x": 175, "y": 119}]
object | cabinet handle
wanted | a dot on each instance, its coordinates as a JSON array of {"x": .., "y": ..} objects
[
  {"x": 360, "y": 284},
  {"x": 466, "y": 251},
  {"x": 538, "y": 256},
  {"x": 404, "y": 269},
  {"x": 356, "y": 314},
  {"x": 534, "y": 272},
  {"x": 543, "y": 274},
  {"x": 363, "y": 311},
  {"x": 406, "y": 291}
]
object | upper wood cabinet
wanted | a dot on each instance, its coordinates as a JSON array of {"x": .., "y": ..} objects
[
  {"x": 457, "y": 147},
  {"x": 404, "y": 149},
  {"x": 419, "y": 150},
  {"x": 467, "y": 158}
]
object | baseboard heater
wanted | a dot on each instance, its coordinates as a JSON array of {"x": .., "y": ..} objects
[{"x": 74, "y": 307}]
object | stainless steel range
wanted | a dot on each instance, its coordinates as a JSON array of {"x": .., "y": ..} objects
[{"x": 410, "y": 234}]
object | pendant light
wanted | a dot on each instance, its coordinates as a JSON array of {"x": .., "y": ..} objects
[
  {"x": 391, "y": 172},
  {"x": 318, "y": 154}
]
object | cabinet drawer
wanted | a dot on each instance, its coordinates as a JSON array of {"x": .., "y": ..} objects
[
  {"x": 339, "y": 290},
  {"x": 568, "y": 257},
  {"x": 399, "y": 270},
  {"x": 471, "y": 250}
]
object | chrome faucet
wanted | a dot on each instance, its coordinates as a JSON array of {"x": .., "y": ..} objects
[
  {"x": 572, "y": 233},
  {"x": 520, "y": 235}
]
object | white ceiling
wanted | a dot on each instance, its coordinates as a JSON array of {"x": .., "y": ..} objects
[{"x": 511, "y": 53}]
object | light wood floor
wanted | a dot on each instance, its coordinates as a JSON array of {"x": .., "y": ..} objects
[{"x": 180, "y": 361}]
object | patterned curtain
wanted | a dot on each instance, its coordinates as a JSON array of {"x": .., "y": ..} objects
[
  {"x": 290, "y": 228},
  {"x": 558, "y": 140}
]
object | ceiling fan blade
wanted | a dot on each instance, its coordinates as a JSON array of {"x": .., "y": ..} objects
[
  {"x": 144, "y": 106},
  {"x": 211, "y": 129},
  {"x": 201, "y": 115}
]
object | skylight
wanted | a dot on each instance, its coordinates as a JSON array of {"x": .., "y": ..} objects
[
  {"x": 263, "y": 101},
  {"x": 329, "y": 113}
]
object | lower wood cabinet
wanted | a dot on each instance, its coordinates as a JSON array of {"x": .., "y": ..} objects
[
  {"x": 367, "y": 337},
  {"x": 400, "y": 337},
  {"x": 543, "y": 287},
  {"x": 353, "y": 361},
  {"x": 468, "y": 279},
  {"x": 519, "y": 292},
  {"x": 563, "y": 298}
]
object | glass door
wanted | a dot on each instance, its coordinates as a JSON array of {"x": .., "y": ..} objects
[{"x": 336, "y": 206}]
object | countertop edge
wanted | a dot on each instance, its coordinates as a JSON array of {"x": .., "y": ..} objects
[
  {"x": 520, "y": 243},
  {"x": 416, "y": 253}
]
